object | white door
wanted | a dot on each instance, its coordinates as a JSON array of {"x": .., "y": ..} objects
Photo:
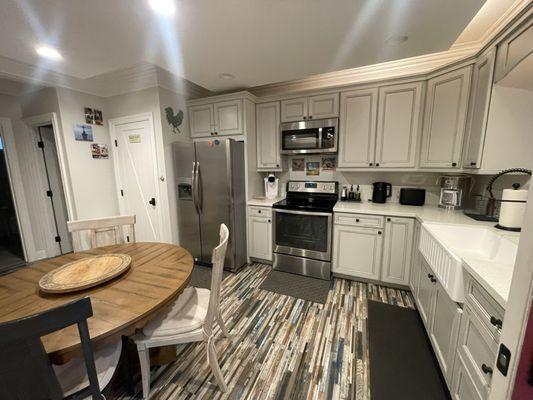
[
  {"x": 228, "y": 117},
  {"x": 294, "y": 109},
  {"x": 358, "y": 128},
  {"x": 398, "y": 125},
  {"x": 397, "y": 250},
  {"x": 357, "y": 251},
  {"x": 268, "y": 136},
  {"x": 260, "y": 238},
  {"x": 324, "y": 106},
  {"x": 201, "y": 120},
  {"x": 136, "y": 172},
  {"x": 445, "y": 119}
]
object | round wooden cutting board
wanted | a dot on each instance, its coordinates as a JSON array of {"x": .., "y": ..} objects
[{"x": 84, "y": 273}]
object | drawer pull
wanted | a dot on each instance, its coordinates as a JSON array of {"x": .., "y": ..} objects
[
  {"x": 357, "y": 220},
  {"x": 496, "y": 322},
  {"x": 259, "y": 211},
  {"x": 432, "y": 278},
  {"x": 486, "y": 369}
]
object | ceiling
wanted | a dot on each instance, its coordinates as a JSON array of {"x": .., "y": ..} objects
[{"x": 258, "y": 41}]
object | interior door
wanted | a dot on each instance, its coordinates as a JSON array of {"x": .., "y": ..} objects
[{"x": 137, "y": 176}]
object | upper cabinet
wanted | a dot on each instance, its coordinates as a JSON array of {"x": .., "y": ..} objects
[
  {"x": 478, "y": 110},
  {"x": 313, "y": 107},
  {"x": 220, "y": 118},
  {"x": 445, "y": 119},
  {"x": 513, "y": 49},
  {"x": 398, "y": 125},
  {"x": 268, "y": 136},
  {"x": 357, "y": 135}
]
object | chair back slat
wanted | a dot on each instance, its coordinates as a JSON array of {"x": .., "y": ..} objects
[{"x": 98, "y": 232}]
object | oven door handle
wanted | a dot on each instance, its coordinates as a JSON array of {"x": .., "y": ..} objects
[{"x": 311, "y": 213}]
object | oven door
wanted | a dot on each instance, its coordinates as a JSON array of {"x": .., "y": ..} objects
[{"x": 302, "y": 234}]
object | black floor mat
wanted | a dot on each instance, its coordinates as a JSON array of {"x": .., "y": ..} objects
[
  {"x": 402, "y": 363},
  {"x": 201, "y": 277},
  {"x": 301, "y": 287}
]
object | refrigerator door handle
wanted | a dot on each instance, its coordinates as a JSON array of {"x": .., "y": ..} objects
[
  {"x": 199, "y": 188},
  {"x": 195, "y": 186}
]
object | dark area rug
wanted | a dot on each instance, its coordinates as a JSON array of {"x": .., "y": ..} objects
[
  {"x": 402, "y": 363},
  {"x": 301, "y": 287},
  {"x": 201, "y": 277}
]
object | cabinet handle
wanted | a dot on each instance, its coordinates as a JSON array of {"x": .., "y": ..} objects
[
  {"x": 486, "y": 369},
  {"x": 216, "y": 133},
  {"x": 310, "y": 117},
  {"x": 472, "y": 164},
  {"x": 433, "y": 280},
  {"x": 305, "y": 117},
  {"x": 377, "y": 164},
  {"x": 454, "y": 164},
  {"x": 269, "y": 221},
  {"x": 496, "y": 322},
  {"x": 388, "y": 219},
  {"x": 379, "y": 232},
  {"x": 370, "y": 164},
  {"x": 357, "y": 220},
  {"x": 259, "y": 211}
]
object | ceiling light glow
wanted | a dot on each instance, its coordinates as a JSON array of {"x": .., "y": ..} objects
[
  {"x": 226, "y": 76},
  {"x": 49, "y": 53},
  {"x": 163, "y": 7}
]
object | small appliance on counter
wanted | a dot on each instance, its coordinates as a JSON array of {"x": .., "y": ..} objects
[
  {"x": 271, "y": 187},
  {"x": 453, "y": 190},
  {"x": 512, "y": 209},
  {"x": 412, "y": 196},
  {"x": 349, "y": 194},
  {"x": 381, "y": 191}
]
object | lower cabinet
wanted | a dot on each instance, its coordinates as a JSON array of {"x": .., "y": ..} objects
[
  {"x": 425, "y": 288},
  {"x": 415, "y": 263},
  {"x": 463, "y": 387},
  {"x": 397, "y": 251},
  {"x": 260, "y": 233}
]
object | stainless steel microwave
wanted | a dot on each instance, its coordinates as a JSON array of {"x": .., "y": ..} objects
[{"x": 307, "y": 137}]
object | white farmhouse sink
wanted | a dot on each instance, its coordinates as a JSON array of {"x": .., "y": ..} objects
[{"x": 446, "y": 247}]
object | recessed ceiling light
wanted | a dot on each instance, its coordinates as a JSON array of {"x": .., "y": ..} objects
[
  {"x": 163, "y": 7},
  {"x": 48, "y": 52},
  {"x": 226, "y": 76},
  {"x": 397, "y": 39}
]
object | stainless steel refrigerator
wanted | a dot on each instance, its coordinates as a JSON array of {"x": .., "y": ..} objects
[{"x": 210, "y": 190}]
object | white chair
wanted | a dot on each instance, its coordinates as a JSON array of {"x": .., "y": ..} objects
[
  {"x": 189, "y": 319},
  {"x": 101, "y": 231}
]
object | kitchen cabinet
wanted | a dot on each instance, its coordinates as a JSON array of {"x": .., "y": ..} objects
[
  {"x": 513, "y": 49},
  {"x": 357, "y": 251},
  {"x": 478, "y": 110},
  {"x": 445, "y": 119},
  {"x": 217, "y": 119},
  {"x": 260, "y": 233},
  {"x": 398, "y": 125},
  {"x": 268, "y": 136},
  {"x": 415, "y": 264},
  {"x": 357, "y": 135},
  {"x": 312, "y": 107},
  {"x": 425, "y": 293},
  {"x": 397, "y": 250},
  {"x": 463, "y": 387}
]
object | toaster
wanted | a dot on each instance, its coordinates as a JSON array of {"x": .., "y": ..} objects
[{"x": 412, "y": 197}]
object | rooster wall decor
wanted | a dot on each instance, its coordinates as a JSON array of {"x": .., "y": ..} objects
[{"x": 174, "y": 120}]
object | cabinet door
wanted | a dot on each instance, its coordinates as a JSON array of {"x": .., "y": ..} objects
[
  {"x": 478, "y": 110},
  {"x": 425, "y": 295},
  {"x": 294, "y": 109},
  {"x": 324, "y": 106},
  {"x": 463, "y": 387},
  {"x": 445, "y": 119},
  {"x": 357, "y": 134},
  {"x": 260, "y": 237},
  {"x": 398, "y": 125},
  {"x": 397, "y": 250},
  {"x": 357, "y": 251},
  {"x": 415, "y": 264},
  {"x": 514, "y": 49},
  {"x": 268, "y": 136},
  {"x": 228, "y": 117},
  {"x": 201, "y": 120},
  {"x": 445, "y": 331}
]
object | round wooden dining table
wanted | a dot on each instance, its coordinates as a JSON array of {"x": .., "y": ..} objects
[{"x": 158, "y": 274}]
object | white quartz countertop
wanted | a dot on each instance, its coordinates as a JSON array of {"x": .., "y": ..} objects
[
  {"x": 263, "y": 201},
  {"x": 495, "y": 277}
]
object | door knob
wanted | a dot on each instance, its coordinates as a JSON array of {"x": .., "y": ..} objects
[{"x": 152, "y": 201}]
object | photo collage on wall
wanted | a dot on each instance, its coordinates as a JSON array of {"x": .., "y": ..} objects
[
  {"x": 84, "y": 133},
  {"x": 312, "y": 167}
]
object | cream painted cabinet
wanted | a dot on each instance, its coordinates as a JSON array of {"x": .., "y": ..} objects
[
  {"x": 228, "y": 117},
  {"x": 425, "y": 293},
  {"x": 260, "y": 233},
  {"x": 415, "y": 264},
  {"x": 463, "y": 387},
  {"x": 313, "y": 107},
  {"x": 397, "y": 250},
  {"x": 357, "y": 135},
  {"x": 357, "y": 251},
  {"x": 268, "y": 136},
  {"x": 398, "y": 125},
  {"x": 445, "y": 119},
  {"x": 478, "y": 110},
  {"x": 201, "y": 120},
  {"x": 513, "y": 49}
]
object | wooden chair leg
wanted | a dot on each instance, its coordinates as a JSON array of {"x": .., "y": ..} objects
[
  {"x": 213, "y": 363},
  {"x": 144, "y": 359},
  {"x": 222, "y": 325}
]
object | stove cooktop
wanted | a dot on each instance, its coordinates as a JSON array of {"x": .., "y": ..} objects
[{"x": 306, "y": 204}]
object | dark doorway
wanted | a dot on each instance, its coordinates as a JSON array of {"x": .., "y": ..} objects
[{"x": 11, "y": 252}]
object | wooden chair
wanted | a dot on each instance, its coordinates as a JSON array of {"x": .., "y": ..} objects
[
  {"x": 101, "y": 231},
  {"x": 25, "y": 369},
  {"x": 189, "y": 319}
]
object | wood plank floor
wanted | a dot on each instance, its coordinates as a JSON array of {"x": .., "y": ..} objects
[{"x": 281, "y": 347}]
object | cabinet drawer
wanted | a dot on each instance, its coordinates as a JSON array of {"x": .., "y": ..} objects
[
  {"x": 477, "y": 348},
  {"x": 463, "y": 387},
  {"x": 484, "y": 306},
  {"x": 369, "y": 221},
  {"x": 260, "y": 212}
]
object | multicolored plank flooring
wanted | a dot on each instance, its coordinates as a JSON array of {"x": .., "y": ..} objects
[{"x": 281, "y": 347}]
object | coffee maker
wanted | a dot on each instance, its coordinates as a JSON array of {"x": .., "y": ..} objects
[
  {"x": 453, "y": 190},
  {"x": 271, "y": 187}
]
